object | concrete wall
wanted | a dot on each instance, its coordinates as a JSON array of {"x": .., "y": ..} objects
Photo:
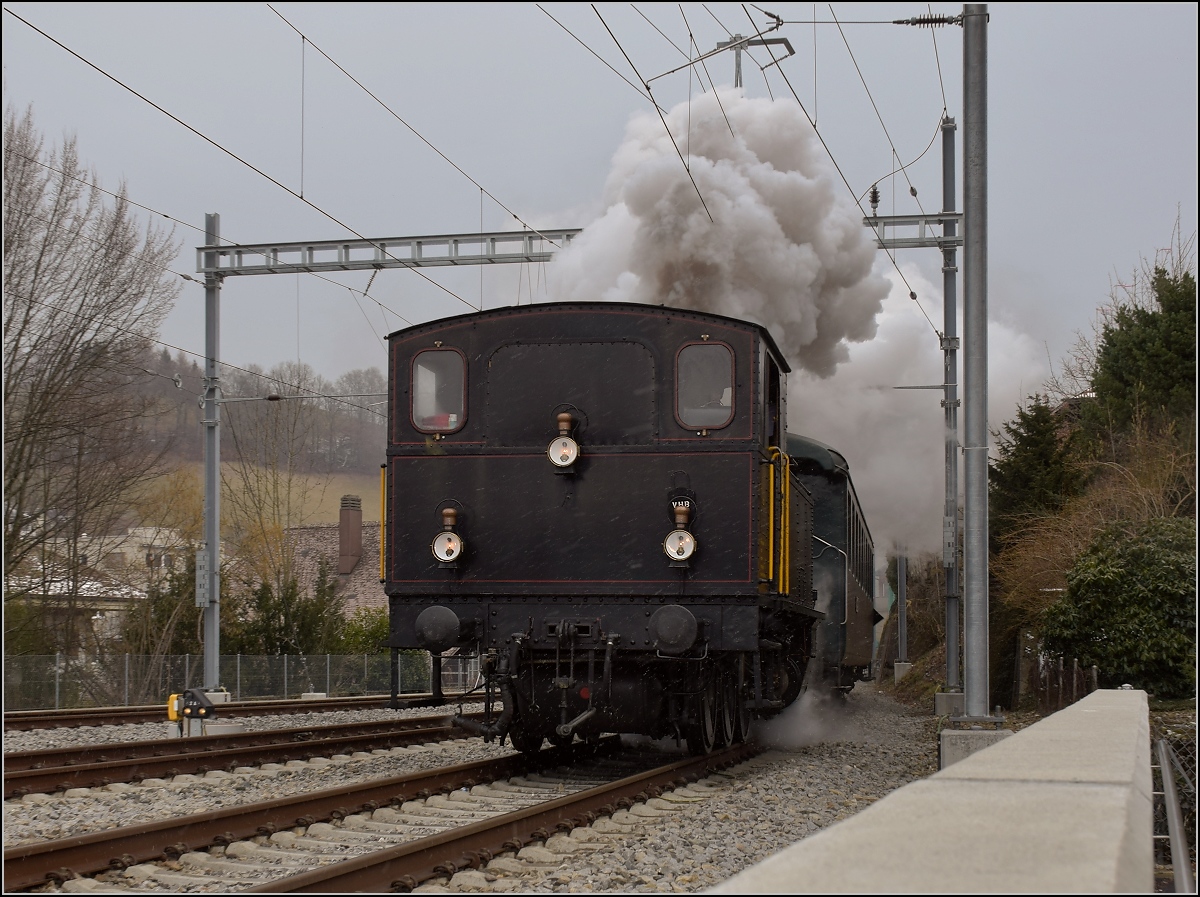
[{"x": 1063, "y": 806}]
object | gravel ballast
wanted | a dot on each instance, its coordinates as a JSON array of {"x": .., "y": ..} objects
[{"x": 827, "y": 760}]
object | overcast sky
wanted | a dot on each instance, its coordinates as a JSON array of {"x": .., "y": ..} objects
[{"x": 1092, "y": 138}]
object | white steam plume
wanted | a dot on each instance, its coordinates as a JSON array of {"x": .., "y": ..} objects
[
  {"x": 894, "y": 439},
  {"x": 782, "y": 248}
]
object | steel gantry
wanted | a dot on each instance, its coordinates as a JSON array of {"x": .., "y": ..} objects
[
  {"x": 319, "y": 256},
  {"x": 216, "y": 262}
]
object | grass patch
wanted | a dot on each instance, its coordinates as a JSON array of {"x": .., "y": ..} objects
[
  {"x": 917, "y": 689},
  {"x": 323, "y": 502},
  {"x": 1168, "y": 705}
]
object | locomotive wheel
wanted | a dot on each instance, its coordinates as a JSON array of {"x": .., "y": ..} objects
[
  {"x": 742, "y": 718},
  {"x": 561, "y": 740},
  {"x": 701, "y": 734},
  {"x": 727, "y": 702},
  {"x": 523, "y": 740},
  {"x": 795, "y": 678}
]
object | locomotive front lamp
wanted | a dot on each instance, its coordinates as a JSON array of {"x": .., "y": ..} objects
[
  {"x": 447, "y": 545},
  {"x": 563, "y": 451},
  {"x": 680, "y": 545}
]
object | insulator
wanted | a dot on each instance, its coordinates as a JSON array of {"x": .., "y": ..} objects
[
  {"x": 874, "y": 197},
  {"x": 929, "y": 21}
]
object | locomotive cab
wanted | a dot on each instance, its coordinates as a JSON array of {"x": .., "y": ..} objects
[{"x": 597, "y": 500}]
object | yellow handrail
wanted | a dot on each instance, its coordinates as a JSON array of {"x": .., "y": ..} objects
[
  {"x": 783, "y": 583},
  {"x": 771, "y": 519},
  {"x": 382, "y": 517},
  {"x": 785, "y": 541}
]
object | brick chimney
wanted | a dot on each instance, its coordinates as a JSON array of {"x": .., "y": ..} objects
[{"x": 349, "y": 533}]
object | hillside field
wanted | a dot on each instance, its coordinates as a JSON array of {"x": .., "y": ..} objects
[{"x": 325, "y": 500}]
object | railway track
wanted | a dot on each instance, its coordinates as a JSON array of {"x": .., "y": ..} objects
[
  {"x": 397, "y": 832},
  {"x": 57, "y": 769},
  {"x": 24, "y": 720}
]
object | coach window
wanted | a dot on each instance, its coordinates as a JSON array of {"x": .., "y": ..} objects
[
  {"x": 704, "y": 385},
  {"x": 438, "y": 390}
]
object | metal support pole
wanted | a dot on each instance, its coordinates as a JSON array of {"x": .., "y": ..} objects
[
  {"x": 435, "y": 678},
  {"x": 950, "y": 403},
  {"x": 395, "y": 675},
  {"x": 212, "y": 461},
  {"x": 127, "y": 679},
  {"x": 975, "y": 361},
  {"x": 902, "y": 609}
]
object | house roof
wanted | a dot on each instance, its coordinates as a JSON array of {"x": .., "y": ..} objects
[
  {"x": 59, "y": 584},
  {"x": 360, "y": 588}
]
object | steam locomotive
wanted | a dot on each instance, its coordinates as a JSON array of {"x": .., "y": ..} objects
[{"x": 601, "y": 501}]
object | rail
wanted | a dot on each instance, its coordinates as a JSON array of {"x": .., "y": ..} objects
[{"x": 93, "y": 766}]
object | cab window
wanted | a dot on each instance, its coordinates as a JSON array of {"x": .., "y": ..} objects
[
  {"x": 704, "y": 385},
  {"x": 438, "y": 390}
]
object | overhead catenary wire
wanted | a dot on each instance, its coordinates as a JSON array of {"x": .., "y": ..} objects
[
  {"x": 758, "y": 32},
  {"x": 937, "y": 130},
  {"x": 938, "y": 60},
  {"x": 703, "y": 62},
  {"x": 704, "y": 65},
  {"x": 309, "y": 393},
  {"x": 201, "y": 230},
  {"x": 891, "y": 143},
  {"x": 912, "y": 294},
  {"x": 303, "y": 79},
  {"x": 139, "y": 258},
  {"x": 418, "y": 134},
  {"x": 230, "y": 153},
  {"x": 169, "y": 270},
  {"x": 657, "y": 109},
  {"x": 678, "y": 49},
  {"x": 815, "y": 21},
  {"x": 777, "y": 63},
  {"x": 643, "y": 94}
]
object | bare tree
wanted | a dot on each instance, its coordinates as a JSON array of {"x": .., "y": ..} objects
[
  {"x": 1156, "y": 479},
  {"x": 271, "y": 477},
  {"x": 1077, "y": 371},
  {"x": 362, "y": 417},
  {"x": 84, "y": 293}
]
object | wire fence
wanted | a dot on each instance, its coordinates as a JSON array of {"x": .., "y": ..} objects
[{"x": 60, "y": 681}]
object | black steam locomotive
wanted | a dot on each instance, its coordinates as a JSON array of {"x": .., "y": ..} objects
[{"x": 602, "y": 502}]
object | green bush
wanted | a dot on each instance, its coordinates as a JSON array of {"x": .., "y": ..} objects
[
  {"x": 1130, "y": 607},
  {"x": 366, "y": 632}
]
